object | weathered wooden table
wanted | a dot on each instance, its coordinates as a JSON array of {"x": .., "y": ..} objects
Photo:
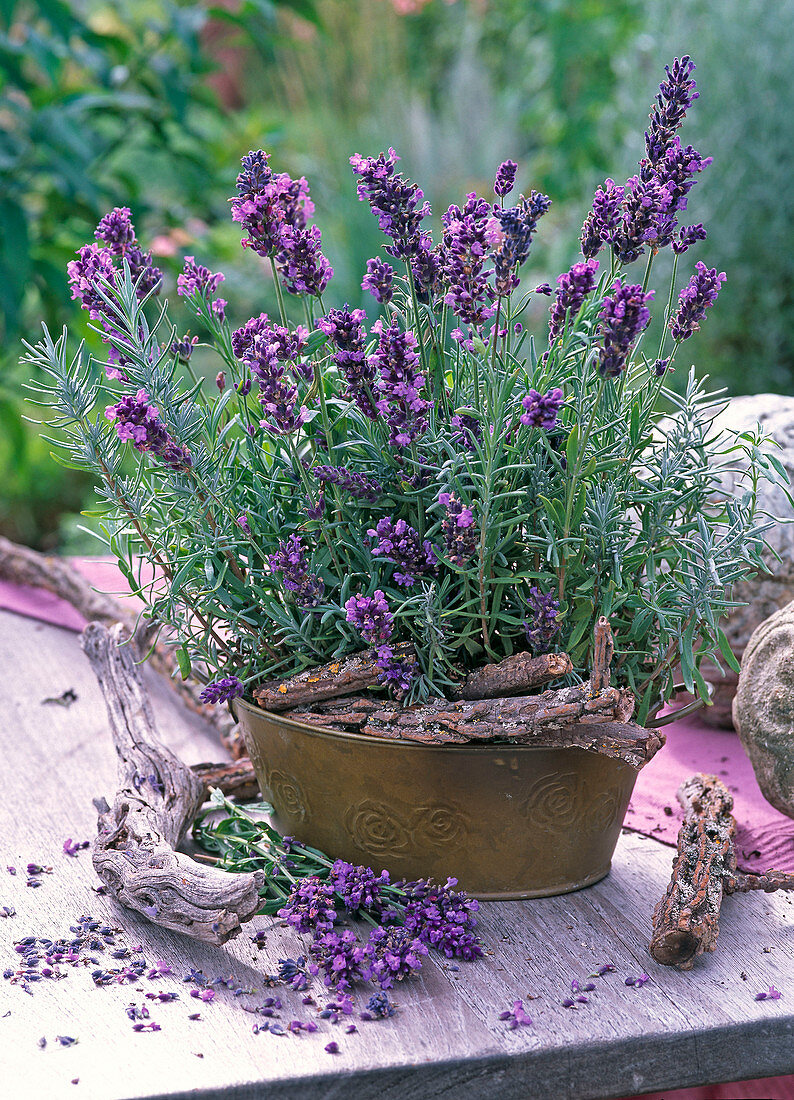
[{"x": 678, "y": 1029}]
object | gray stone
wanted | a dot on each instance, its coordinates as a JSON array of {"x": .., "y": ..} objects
[
  {"x": 763, "y": 709},
  {"x": 762, "y": 595}
]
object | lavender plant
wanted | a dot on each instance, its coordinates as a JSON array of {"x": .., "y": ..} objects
[{"x": 445, "y": 479}]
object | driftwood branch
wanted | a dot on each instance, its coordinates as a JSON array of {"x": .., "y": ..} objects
[
  {"x": 21, "y": 565},
  {"x": 158, "y": 796},
  {"x": 513, "y": 675},
  {"x": 686, "y": 920}
]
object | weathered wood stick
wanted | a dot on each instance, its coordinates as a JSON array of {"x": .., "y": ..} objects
[
  {"x": 329, "y": 681},
  {"x": 237, "y": 778},
  {"x": 21, "y": 565},
  {"x": 603, "y": 650},
  {"x": 513, "y": 675},
  {"x": 157, "y": 798},
  {"x": 686, "y": 920}
]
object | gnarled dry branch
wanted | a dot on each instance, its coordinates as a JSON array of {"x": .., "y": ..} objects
[{"x": 158, "y": 796}]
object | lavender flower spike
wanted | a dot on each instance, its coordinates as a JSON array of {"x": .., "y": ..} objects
[
  {"x": 378, "y": 280},
  {"x": 221, "y": 690},
  {"x": 461, "y": 534},
  {"x": 697, "y": 296},
  {"x": 290, "y": 562},
  {"x": 543, "y": 623},
  {"x": 623, "y": 317},
  {"x": 541, "y": 409},
  {"x": 572, "y": 289},
  {"x": 398, "y": 542},
  {"x": 505, "y": 178},
  {"x": 394, "y": 200}
]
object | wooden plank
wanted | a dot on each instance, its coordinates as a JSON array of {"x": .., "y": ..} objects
[{"x": 679, "y": 1029}]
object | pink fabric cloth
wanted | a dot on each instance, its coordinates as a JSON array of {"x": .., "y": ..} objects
[{"x": 765, "y": 837}]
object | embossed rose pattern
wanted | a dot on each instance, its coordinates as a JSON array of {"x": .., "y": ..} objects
[
  {"x": 376, "y": 829},
  {"x": 553, "y": 802},
  {"x": 288, "y": 798},
  {"x": 442, "y": 825}
]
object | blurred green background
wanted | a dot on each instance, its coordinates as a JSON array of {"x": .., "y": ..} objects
[{"x": 150, "y": 104}]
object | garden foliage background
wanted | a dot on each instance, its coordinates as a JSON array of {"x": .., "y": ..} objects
[{"x": 151, "y": 103}]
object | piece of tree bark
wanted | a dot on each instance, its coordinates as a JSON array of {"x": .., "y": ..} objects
[
  {"x": 329, "y": 681},
  {"x": 513, "y": 675},
  {"x": 237, "y": 778},
  {"x": 158, "y": 796},
  {"x": 686, "y": 920},
  {"x": 570, "y": 717}
]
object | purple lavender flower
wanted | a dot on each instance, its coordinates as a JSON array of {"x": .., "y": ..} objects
[
  {"x": 400, "y": 543},
  {"x": 505, "y": 178},
  {"x": 572, "y": 289},
  {"x": 278, "y": 394},
  {"x": 266, "y": 202},
  {"x": 219, "y": 691},
  {"x": 310, "y": 906},
  {"x": 460, "y": 531},
  {"x": 92, "y": 265},
  {"x": 183, "y": 347},
  {"x": 370, "y": 615},
  {"x": 623, "y": 317},
  {"x": 345, "y": 328},
  {"x": 140, "y": 422},
  {"x": 197, "y": 280},
  {"x": 541, "y": 409},
  {"x": 300, "y": 261},
  {"x": 379, "y": 280},
  {"x": 379, "y": 1007},
  {"x": 516, "y": 1016},
  {"x": 116, "y": 230},
  {"x": 602, "y": 221},
  {"x": 340, "y": 957},
  {"x": 687, "y": 236},
  {"x": 118, "y": 233},
  {"x": 392, "y": 954},
  {"x": 400, "y": 383},
  {"x": 393, "y": 199},
  {"x": 444, "y": 918},
  {"x": 542, "y": 624},
  {"x": 290, "y": 562},
  {"x": 697, "y": 296},
  {"x": 645, "y": 217},
  {"x": 397, "y": 673},
  {"x": 468, "y": 429},
  {"x": 359, "y": 887},
  {"x": 469, "y": 235},
  {"x": 518, "y": 226},
  {"x": 676, "y": 94},
  {"x": 357, "y": 485}
]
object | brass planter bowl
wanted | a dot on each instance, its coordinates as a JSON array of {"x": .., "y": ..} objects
[{"x": 508, "y": 821}]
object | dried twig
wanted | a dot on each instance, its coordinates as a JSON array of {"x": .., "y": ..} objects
[
  {"x": 686, "y": 920},
  {"x": 158, "y": 797}
]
